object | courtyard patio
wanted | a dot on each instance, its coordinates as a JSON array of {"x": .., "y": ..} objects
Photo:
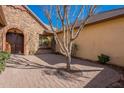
[{"x": 45, "y": 70}]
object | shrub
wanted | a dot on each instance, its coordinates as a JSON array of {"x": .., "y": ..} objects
[
  {"x": 53, "y": 44},
  {"x": 44, "y": 41},
  {"x": 74, "y": 49},
  {"x": 2, "y": 66},
  {"x": 103, "y": 59},
  {"x": 3, "y": 57}
]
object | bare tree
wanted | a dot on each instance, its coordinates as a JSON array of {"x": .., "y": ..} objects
[{"x": 65, "y": 18}]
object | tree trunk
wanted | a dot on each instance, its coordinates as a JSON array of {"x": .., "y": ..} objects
[{"x": 69, "y": 62}]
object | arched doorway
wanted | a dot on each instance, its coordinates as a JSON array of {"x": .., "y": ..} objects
[{"x": 15, "y": 41}]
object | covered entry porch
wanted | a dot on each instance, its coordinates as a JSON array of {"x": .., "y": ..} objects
[{"x": 47, "y": 43}]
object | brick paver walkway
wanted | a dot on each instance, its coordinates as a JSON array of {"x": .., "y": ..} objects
[{"x": 40, "y": 71}]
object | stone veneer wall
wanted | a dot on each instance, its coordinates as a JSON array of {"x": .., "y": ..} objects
[{"x": 22, "y": 20}]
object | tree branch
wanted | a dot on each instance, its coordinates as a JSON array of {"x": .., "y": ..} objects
[
  {"x": 54, "y": 32},
  {"x": 82, "y": 25}
]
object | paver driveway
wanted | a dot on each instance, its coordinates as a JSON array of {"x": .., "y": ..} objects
[{"x": 40, "y": 71}]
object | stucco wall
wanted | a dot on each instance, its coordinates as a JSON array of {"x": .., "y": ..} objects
[
  {"x": 106, "y": 37},
  {"x": 23, "y": 21}
]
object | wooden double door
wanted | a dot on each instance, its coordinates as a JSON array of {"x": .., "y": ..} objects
[{"x": 15, "y": 42}]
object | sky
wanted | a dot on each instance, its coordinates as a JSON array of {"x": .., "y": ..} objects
[{"x": 39, "y": 12}]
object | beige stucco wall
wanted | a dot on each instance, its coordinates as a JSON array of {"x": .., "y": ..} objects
[
  {"x": 23, "y": 21},
  {"x": 106, "y": 37}
]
